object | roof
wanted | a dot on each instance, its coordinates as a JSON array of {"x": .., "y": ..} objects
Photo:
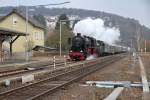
[
  {"x": 8, "y": 32},
  {"x": 21, "y": 14},
  {"x": 38, "y": 47},
  {"x": 1, "y": 17}
]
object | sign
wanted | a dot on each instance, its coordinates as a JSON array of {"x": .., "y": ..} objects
[{"x": 27, "y": 78}]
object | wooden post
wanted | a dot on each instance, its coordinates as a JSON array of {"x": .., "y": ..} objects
[
  {"x": 10, "y": 49},
  {"x": 11, "y": 43},
  {"x": 10, "y": 46},
  {"x": 65, "y": 61},
  {"x": 54, "y": 62}
]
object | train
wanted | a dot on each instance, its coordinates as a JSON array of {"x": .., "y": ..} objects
[{"x": 83, "y": 47}]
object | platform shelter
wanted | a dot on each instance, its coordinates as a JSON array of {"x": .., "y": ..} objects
[{"x": 8, "y": 35}]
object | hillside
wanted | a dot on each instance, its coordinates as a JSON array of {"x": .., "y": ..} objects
[{"x": 129, "y": 28}]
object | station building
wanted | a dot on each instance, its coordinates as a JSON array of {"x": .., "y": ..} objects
[{"x": 14, "y": 35}]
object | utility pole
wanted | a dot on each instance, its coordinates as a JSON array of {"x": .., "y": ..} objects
[
  {"x": 18, "y": 3},
  {"x": 131, "y": 50},
  {"x": 60, "y": 39},
  {"x": 27, "y": 44},
  {"x": 138, "y": 37},
  {"x": 145, "y": 46}
]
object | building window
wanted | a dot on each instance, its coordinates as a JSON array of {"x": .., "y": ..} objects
[
  {"x": 39, "y": 36},
  {"x": 15, "y": 20},
  {"x": 36, "y": 36}
]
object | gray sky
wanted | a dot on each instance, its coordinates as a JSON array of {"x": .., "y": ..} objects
[{"x": 138, "y": 9}]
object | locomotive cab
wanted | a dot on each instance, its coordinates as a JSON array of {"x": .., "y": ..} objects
[{"x": 90, "y": 44}]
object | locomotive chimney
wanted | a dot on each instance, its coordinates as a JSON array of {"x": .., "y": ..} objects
[{"x": 78, "y": 34}]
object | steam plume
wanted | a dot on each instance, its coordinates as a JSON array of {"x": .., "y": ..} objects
[{"x": 95, "y": 28}]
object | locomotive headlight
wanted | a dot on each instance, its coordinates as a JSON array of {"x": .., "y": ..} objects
[{"x": 81, "y": 51}]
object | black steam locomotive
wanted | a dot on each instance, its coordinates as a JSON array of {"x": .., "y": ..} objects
[{"x": 84, "y": 46}]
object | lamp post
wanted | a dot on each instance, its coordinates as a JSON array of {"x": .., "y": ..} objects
[{"x": 60, "y": 34}]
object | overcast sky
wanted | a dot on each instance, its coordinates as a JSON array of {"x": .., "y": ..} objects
[{"x": 138, "y": 9}]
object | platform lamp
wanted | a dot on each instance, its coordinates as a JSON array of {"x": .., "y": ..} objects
[{"x": 60, "y": 33}]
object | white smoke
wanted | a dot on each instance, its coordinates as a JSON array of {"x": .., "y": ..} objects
[
  {"x": 95, "y": 28},
  {"x": 91, "y": 57}
]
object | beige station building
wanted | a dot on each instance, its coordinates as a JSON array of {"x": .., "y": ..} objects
[{"x": 20, "y": 32}]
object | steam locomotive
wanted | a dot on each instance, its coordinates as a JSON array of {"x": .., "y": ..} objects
[{"x": 83, "y": 47}]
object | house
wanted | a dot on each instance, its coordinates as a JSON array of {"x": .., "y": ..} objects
[{"x": 16, "y": 21}]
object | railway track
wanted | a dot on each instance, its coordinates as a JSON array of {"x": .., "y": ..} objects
[
  {"x": 39, "y": 90},
  {"x": 11, "y": 73}
]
